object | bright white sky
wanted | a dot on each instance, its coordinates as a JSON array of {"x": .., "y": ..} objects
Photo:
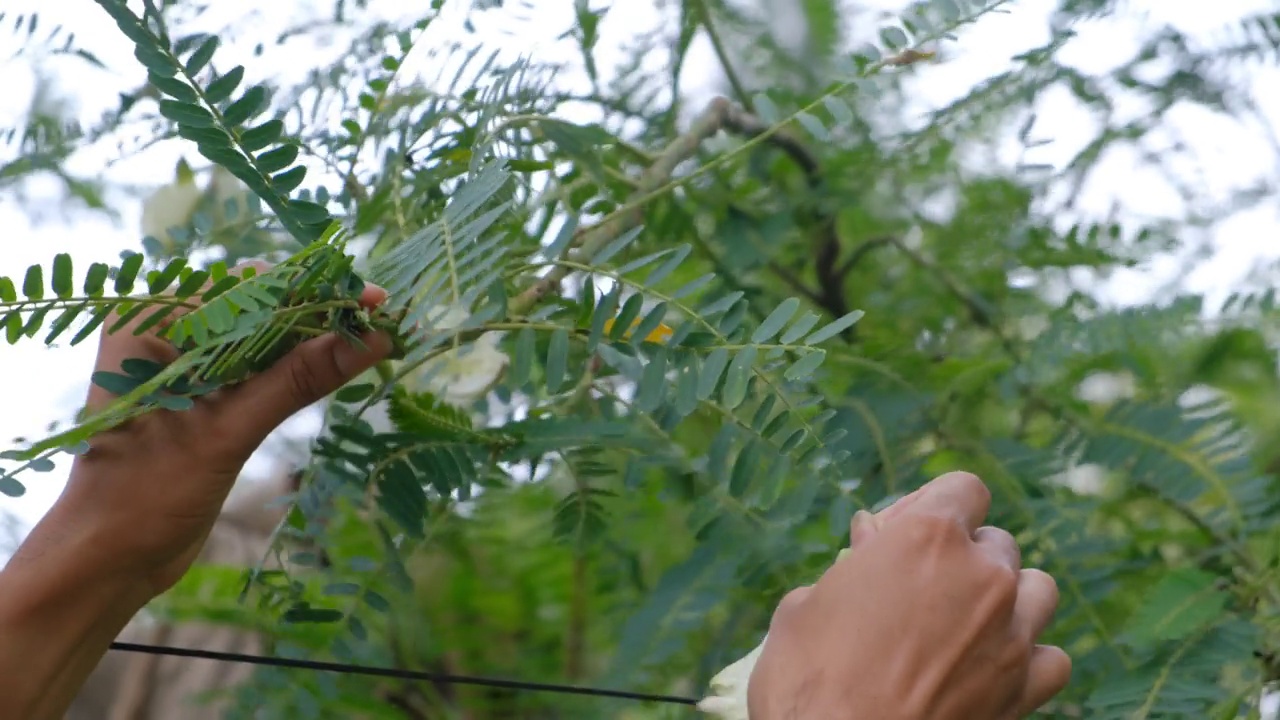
[{"x": 39, "y": 386}]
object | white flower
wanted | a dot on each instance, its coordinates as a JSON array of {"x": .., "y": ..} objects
[
  {"x": 169, "y": 207},
  {"x": 225, "y": 186},
  {"x": 728, "y": 700},
  {"x": 729, "y": 688},
  {"x": 1086, "y": 479},
  {"x": 461, "y": 375},
  {"x": 1106, "y": 387}
]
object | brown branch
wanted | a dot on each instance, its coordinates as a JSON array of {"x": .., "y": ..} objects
[
  {"x": 741, "y": 122},
  {"x": 794, "y": 282},
  {"x": 830, "y": 295},
  {"x": 862, "y": 251},
  {"x": 591, "y": 240},
  {"x": 720, "y": 114}
]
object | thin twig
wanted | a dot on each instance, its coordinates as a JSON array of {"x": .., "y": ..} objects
[
  {"x": 827, "y": 266},
  {"x": 978, "y": 312},
  {"x": 591, "y": 240},
  {"x": 863, "y": 250},
  {"x": 739, "y": 90},
  {"x": 721, "y": 114},
  {"x": 712, "y": 119}
]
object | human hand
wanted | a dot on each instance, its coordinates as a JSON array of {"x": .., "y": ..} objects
[
  {"x": 928, "y": 617},
  {"x": 153, "y": 487}
]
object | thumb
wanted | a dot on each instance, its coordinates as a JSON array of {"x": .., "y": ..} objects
[
  {"x": 862, "y": 528},
  {"x": 307, "y": 374}
]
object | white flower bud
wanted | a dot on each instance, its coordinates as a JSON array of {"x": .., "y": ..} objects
[
  {"x": 729, "y": 688},
  {"x": 169, "y": 207},
  {"x": 728, "y": 700},
  {"x": 461, "y": 375}
]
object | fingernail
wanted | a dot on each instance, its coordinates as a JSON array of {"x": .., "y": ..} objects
[{"x": 380, "y": 295}]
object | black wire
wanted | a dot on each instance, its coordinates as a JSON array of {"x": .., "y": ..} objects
[{"x": 348, "y": 669}]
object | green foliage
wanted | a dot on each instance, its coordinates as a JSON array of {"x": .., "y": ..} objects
[
  {"x": 701, "y": 374},
  {"x": 210, "y": 118},
  {"x": 231, "y": 326}
]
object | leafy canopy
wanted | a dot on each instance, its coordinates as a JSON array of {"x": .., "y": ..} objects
[{"x": 708, "y": 335}]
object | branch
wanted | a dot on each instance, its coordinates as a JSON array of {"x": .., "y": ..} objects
[
  {"x": 741, "y": 122},
  {"x": 863, "y": 250},
  {"x": 589, "y": 241},
  {"x": 794, "y": 282},
  {"x": 730, "y": 74},
  {"x": 977, "y": 309},
  {"x": 720, "y": 114},
  {"x": 830, "y": 294}
]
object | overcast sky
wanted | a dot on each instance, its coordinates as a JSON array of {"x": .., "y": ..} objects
[{"x": 39, "y": 386}]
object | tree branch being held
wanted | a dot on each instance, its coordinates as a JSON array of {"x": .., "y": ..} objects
[{"x": 137, "y": 509}]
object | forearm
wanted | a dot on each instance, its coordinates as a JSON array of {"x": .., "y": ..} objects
[{"x": 63, "y": 600}]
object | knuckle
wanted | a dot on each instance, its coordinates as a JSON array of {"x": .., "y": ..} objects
[
  {"x": 303, "y": 381},
  {"x": 1002, "y": 579},
  {"x": 992, "y": 533},
  {"x": 970, "y": 484},
  {"x": 927, "y": 529},
  {"x": 1006, "y": 579},
  {"x": 1017, "y": 657},
  {"x": 790, "y": 605},
  {"x": 1001, "y": 539},
  {"x": 216, "y": 429}
]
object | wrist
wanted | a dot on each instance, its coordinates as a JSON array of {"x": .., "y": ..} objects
[
  {"x": 101, "y": 543},
  {"x": 64, "y": 596}
]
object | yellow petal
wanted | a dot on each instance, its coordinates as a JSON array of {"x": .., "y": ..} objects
[{"x": 658, "y": 335}]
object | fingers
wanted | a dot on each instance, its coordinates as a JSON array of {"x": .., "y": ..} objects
[
  {"x": 192, "y": 302},
  {"x": 900, "y": 506},
  {"x": 1049, "y": 673},
  {"x": 1050, "y": 667},
  {"x": 372, "y": 296},
  {"x": 314, "y": 370},
  {"x": 963, "y": 497},
  {"x": 958, "y": 495},
  {"x": 109, "y": 343},
  {"x": 999, "y": 545},
  {"x": 305, "y": 375},
  {"x": 121, "y": 344},
  {"x": 1034, "y": 606},
  {"x": 1037, "y": 601},
  {"x": 862, "y": 527},
  {"x": 308, "y": 373}
]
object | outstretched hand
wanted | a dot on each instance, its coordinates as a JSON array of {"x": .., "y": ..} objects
[
  {"x": 138, "y": 507},
  {"x": 159, "y": 480},
  {"x": 929, "y": 615}
]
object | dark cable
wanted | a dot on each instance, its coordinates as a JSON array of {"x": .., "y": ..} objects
[{"x": 347, "y": 669}]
